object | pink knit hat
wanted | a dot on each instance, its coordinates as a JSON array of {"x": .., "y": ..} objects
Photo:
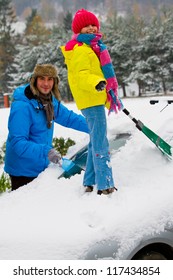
[{"x": 83, "y": 18}]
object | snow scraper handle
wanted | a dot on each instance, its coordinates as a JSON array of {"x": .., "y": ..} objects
[{"x": 138, "y": 123}]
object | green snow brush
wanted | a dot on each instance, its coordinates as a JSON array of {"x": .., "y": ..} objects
[{"x": 161, "y": 144}]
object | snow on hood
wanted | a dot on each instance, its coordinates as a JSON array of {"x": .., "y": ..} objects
[{"x": 55, "y": 219}]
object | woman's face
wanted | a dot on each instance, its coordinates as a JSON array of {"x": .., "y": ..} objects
[{"x": 90, "y": 29}]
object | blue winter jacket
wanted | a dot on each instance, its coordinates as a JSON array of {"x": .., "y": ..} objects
[{"x": 29, "y": 139}]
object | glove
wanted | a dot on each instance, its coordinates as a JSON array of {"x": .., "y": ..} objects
[
  {"x": 101, "y": 86},
  {"x": 54, "y": 156}
]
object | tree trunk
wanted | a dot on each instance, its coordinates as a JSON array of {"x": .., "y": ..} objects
[
  {"x": 139, "y": 88},
  {"x": 124, "y": 90},
  {"x": 164, "y": 87}
]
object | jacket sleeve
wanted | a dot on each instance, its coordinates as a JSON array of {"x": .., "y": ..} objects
[
  {"x": 19, "y": 124},
  {"x": 68, "y": 118}
]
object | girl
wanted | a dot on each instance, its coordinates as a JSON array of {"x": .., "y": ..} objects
[{"x": 93, "y": 84}]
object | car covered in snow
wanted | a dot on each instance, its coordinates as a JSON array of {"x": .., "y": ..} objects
[
  {"x": 158, "y": 246},
  {"x": 54, "y": 218},
  {"x": 151, "y": 247}
]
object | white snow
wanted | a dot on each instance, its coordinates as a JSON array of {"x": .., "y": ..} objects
[
  {"x": 55, "y": 219},
  {"x": 19, "y": 27}
]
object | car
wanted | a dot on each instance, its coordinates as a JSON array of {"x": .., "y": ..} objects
[
  {"x": 78, "y": 160},
  {"x": 57, "y": 219},
  {"x": 158, "y": 246},
  {"x": 151, "y": 247}
]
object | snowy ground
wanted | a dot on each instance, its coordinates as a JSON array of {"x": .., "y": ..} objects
[{"x": 55, "y": 219}]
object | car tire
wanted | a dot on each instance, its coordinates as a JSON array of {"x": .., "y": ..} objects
[{"x": 152, "y": 255}]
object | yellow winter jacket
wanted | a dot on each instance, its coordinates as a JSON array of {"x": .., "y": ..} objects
[{"x": 84, "y": 73}]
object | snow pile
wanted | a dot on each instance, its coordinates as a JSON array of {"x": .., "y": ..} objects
[{"x": 55, "y": 219}]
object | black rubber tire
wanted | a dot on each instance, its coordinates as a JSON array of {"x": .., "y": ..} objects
[{"x": 152, "y": 255}]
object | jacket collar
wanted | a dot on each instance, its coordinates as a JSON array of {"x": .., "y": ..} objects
[{"x": 29, "y": 94}]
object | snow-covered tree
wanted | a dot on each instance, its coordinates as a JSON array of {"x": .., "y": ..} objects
[
  {"x": 36, "y": 32},
  {"x": 122, "y": 36},
  {"x": 67, "y": 20},
  {"x": 7, "y": 42},
  {"x": 141, "y": 51},
  {"x": 49, "y": 52},
  {"x": 155, "y": 60},
  {"x": 160, "y": 49}
]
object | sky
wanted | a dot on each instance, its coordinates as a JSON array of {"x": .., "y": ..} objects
[{"x": 54, "y": 218}]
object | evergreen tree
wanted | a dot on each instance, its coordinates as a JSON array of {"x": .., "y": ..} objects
[
  {"x": 36, "y": 32},
  {"x": 67, "y": 21},
  {"x": 49, "y": 52},
  {"x": 122, "y": 36},
  {"x": 154, "y": 54},
  {"x": 141, "y": 51},
  {"x": 7, "y": 43},
  {"x": 136, "y": 27},
  {"x": 160, "y": 49},
  {"x": 29, "y": 20}
]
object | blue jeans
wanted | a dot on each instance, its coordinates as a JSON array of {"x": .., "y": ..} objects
[{"x": 98, "y": 169}]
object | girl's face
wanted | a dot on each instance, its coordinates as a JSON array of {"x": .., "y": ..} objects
[{"x": 89, "y": 29}]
